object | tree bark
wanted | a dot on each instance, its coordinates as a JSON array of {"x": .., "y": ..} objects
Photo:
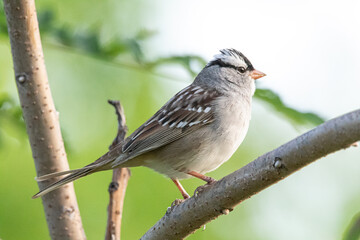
[
  {"x": 117, "y": 191},
  {"x": 221, "y": 197},
  {"x": 118, "y": 185},
  {"x": 42, "y": 125}
]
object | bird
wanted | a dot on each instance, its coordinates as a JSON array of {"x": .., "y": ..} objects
[{"x": 194, "y": 133}]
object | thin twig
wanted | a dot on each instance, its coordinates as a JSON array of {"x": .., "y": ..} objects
[
  {"x": 221, "y": 197},
  {"x": 120, "y": 178},
  {"x": 41, "y": 118}
]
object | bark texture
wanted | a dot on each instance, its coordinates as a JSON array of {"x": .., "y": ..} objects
[
  {"x": 118, "y": 185},
  {"x": 117, "y": 191},
  {"x": 61, "y": 209},
  {"x": 185, "y": 217}
]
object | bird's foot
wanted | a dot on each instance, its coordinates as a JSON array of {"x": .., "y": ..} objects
[
  {"x": 177, "y": 202},
  {"x": 210, "y": 180},
  {"x": 207, "y": 179},
  {"x": 201, "y": 188}
]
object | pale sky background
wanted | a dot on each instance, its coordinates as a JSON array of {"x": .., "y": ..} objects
[{"x": 308, "y": 49}]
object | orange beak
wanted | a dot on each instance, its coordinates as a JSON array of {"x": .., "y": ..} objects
[{"x": 255, "y": 74}]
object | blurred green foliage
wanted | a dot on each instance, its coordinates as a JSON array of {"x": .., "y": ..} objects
[
  {"x": 297, "y": 117},
  {"x": 11, "y": 120},
  {"x": 353, "y": 231},
  {"x": 3, "y": 26},
  {"x": 190, "y": 63},
  {"x": 80, "y": 87},
  {"x": 88, "y": 42}
]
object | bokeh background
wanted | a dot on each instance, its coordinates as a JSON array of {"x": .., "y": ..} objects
[{"x": 142, "y": 52}]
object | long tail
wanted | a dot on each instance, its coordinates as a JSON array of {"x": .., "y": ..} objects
[
  {"x": 57, "y": 174},
  {"x": 74, "y": 174},
  {"x": 108, "y": 161}
]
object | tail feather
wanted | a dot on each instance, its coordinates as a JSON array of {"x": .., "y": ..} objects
[
  {"x": 57, "y": 174},
  {"x": 109, "y": 160},
  {"x": 76, "y": 174}
]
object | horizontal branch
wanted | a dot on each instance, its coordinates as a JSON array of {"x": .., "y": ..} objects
[{"x": 221, "y": 197}]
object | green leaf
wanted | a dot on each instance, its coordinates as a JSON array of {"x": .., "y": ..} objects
[
  {"x": 353, "y": 230},
  {"x": 189, "y": 62},
  {"x": 114, "y": 48},
  {"x": 135, "y": 49},
  {"x": 87, "y": 41},
  {"x": 3, "y": 25},
  {"x": 8, "y": 109},
  {"x": 297, "y": 117},
  {"x": 63, "y": 36},
  {"x": 11, "y": 120},
  {"x": 46, "y": 20},
  {"x": 144, "y": 34}
]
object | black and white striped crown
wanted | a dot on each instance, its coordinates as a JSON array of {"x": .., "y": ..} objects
[{"x": 231, "y": 57}]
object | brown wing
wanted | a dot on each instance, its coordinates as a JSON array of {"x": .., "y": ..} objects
[{"x": 187, "y": 111}]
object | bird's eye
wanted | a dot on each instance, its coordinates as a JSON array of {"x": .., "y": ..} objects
[{"x": 241, "y": 69}]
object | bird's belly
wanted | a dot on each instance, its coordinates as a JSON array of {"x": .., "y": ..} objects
[{"x": 203, "y": 153}]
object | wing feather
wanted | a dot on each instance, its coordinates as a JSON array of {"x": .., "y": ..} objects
[{"x": 187, "y": 111}]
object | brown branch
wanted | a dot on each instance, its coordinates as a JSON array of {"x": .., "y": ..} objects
[
  {"x": 221, "y": 197},
  {"x": 42, "y": 125},
  {"x": 120, "y": 178}
]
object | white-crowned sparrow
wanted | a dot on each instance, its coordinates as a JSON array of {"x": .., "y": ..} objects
[{"x": 193, "y": 133}]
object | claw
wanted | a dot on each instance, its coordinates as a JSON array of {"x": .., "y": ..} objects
[
  {"x": 176, "y": 202},
  {"x": 201, "y": 188}
]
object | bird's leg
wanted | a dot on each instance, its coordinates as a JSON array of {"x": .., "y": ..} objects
[
  {"x": 207, "y": 179},
  {"x": 181, "y": 188}
]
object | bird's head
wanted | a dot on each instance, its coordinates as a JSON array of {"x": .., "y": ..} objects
[{"x": 230, "y": 70}]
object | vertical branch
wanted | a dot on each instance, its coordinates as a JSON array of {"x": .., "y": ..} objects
[
  {"x": 120, "y": 178},
  {"x": 42, "y": 125}
]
